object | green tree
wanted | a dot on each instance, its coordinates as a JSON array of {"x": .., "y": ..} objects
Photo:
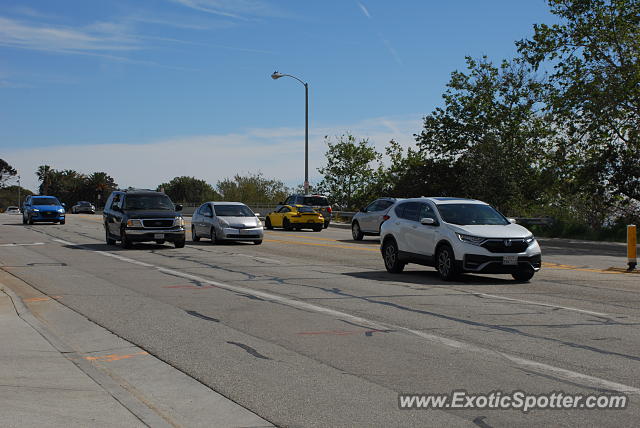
[
  {"x": 490, "y": 138},
  {"x": 43, "y": 173},
  {"x": 66, "y": 185},
  {"x": 6, "y": 172},
  {"x": 594, "y": 56},
  {"x": 97, "y": 187},
  {"x": 349, "y": 171},
  {"x": 189, "y": 190},
  {"x": 9, "y": 196},
  {"x": 252, "y": 189}
]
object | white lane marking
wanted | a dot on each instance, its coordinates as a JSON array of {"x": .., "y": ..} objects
[
  {"x": 530, "y": 302},
  {"x": 260, "y": 259},
  {"x": 559, "y": 372},
  {"x": 21, "y": 245},
  {"x": 105, "y": 253}
]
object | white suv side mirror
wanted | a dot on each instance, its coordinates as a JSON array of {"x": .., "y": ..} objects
[
  {"x": 428, "y": 221},
  {"x": 512, "y": 220}
]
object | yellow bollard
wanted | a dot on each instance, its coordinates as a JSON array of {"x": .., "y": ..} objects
[{"x": 631, "y": 246}]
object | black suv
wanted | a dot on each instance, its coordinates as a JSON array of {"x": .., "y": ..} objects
[
  {"x": 317, "y": 202},
  {"x": 142, "y": 216}
]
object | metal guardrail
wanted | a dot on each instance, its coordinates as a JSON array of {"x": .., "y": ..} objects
[{"x": 543, "y": 221}]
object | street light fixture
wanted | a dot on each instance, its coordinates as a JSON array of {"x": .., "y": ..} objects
[{"x": 276, "y": 75}]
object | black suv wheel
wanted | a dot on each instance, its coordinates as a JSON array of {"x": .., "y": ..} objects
[
  {"x": 124, "y": 241},
  {"x": 108, "y": 238}
]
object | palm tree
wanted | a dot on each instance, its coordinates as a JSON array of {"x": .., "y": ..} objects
[
  {"x": 102, "y": 183},
  {"x": 44, "y": 175}
]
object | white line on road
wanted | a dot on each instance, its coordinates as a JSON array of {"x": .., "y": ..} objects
[
  {"x": 561, "y": 373},
  {"x": 21, "y": 245},
  {"x": 530, "y": 302}
]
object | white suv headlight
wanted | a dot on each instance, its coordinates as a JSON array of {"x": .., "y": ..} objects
[
  {"x": 529, "y": 239},
  {"x": 179, "y": 221},
  {"x": 470, "y": 239}
]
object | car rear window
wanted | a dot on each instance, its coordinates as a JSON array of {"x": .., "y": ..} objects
[
  {"x": 305, "y": 210},
  {"x": 233, "y": 211},
  {"x": 315, "y": 200},
  {"x": 45, "y": 201}
]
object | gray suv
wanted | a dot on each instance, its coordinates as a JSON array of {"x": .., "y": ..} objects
[
  {"x": 317, "y": 202},
  {"x": 368, "y": 220},
  {"x": 142, "y": 216}
]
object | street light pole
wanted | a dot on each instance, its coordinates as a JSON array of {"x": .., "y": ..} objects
[
  {"x": 277, "y": 75},
  {"x": 19, "y": 196}
]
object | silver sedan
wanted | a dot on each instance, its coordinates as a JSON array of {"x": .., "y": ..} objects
[{"x": 226, "y": 221}]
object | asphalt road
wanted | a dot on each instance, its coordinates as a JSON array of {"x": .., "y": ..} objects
[{"x": 308, "y": 329}]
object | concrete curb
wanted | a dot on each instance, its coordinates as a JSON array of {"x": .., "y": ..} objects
[
  {"x": 340, "y": 225},
  {"x": 137, "y": 388},
  {"x": 121, "y": 395}
]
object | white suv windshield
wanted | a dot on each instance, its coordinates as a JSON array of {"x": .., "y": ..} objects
[{"x": 469, "y": 214}]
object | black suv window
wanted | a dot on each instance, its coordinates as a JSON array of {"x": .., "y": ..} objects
[
  {"x": 148, "y": 201},
  {"x": 117, "y": 200},
  {"x": 290, "y": 200},
  {"x": 315, "y": 200},
  {"x": 409, "y": 211}
]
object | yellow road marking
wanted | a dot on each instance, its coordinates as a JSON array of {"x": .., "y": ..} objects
[
  {"x": 114, "y": 357},
  {"x": 41, "y": 299},
  {"x": 303, "y": 236},
  {"x": 282, "y": 241},
  {"x": 621, "y": 270},
  {"x": 576, "y": 268}
]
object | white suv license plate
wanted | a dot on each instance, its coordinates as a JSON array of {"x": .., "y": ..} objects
[
  {"x": 158, "y": 236},
  {"x": 510, "y": 260}
]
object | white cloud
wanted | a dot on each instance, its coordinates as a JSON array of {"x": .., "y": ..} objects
[
  {"x": 277, "y": 152},
  {"x": 237, "y": 9},
  {"x": 102, "y": 37},
  {"x": 364, "y": 10}
]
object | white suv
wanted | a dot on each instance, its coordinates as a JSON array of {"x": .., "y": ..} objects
[{"x": 457, "y": 235}]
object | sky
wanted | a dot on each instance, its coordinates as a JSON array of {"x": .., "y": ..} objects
[{"x": 147, "y": 90}]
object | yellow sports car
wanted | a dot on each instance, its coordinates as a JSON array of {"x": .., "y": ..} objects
[{"x": 295, "y": 217}]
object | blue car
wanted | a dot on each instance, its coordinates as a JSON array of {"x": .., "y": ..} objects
[{"x": 42, "y": 208}]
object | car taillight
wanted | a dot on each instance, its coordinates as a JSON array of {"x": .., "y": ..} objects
[
  {"x": 385, "y": 218},
  {"x": 329, "y": 209}
]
